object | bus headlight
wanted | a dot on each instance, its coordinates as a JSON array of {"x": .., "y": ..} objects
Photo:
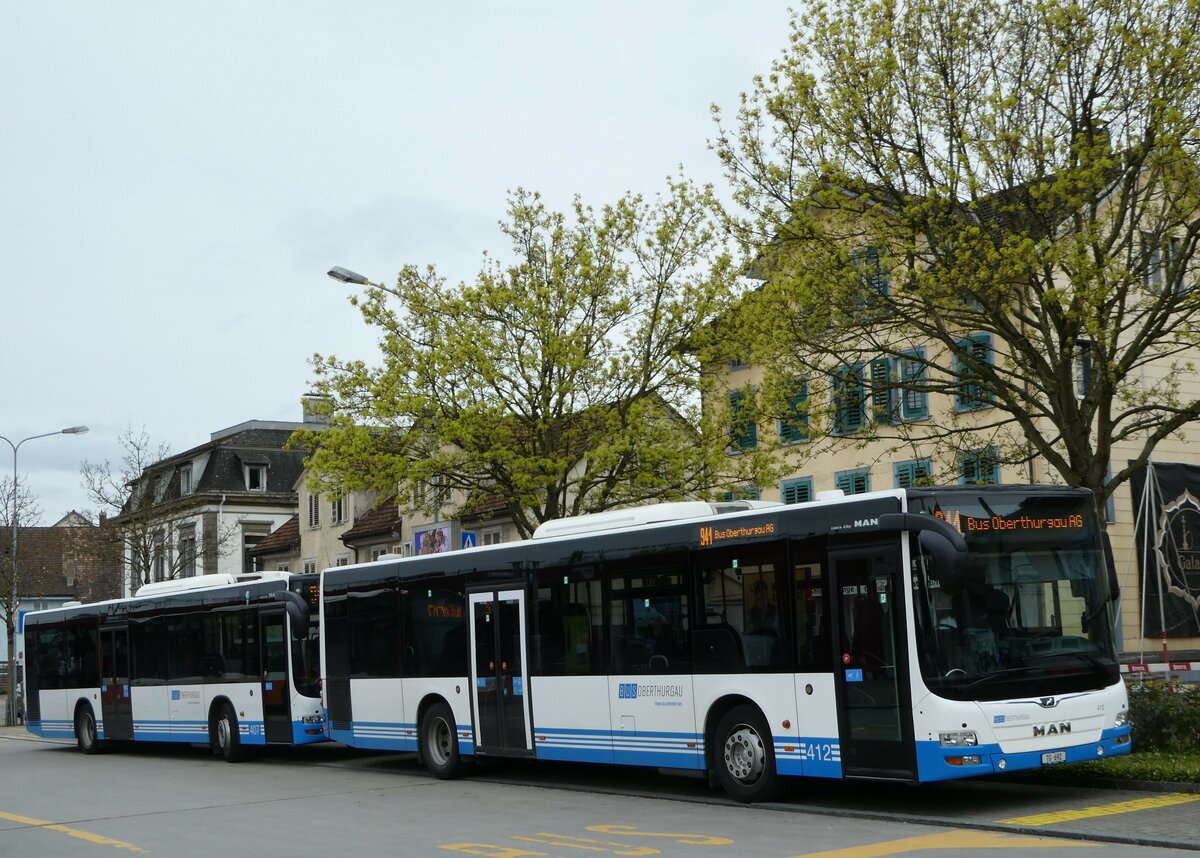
[
  {"x": 958, "y": 739},
  {"x": 1123, "y": 718}
]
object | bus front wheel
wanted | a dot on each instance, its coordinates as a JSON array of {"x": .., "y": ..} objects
[
  {"x": 439, "y": 743},
  {"x": 745, "y": 755},
  {"x": 85, "y": 730},
  {"x": 226, "y": 739}
]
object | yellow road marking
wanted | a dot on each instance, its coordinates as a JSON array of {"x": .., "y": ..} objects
[
  {"x": 589, "y": 844},
  {"x": 945, "y": 840},
  {"x": 685, "y": 839},
  {"x": 1103, "y": 810},
  {"x": 98, "y": 839}
]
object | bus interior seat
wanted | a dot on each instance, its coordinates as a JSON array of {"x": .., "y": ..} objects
[{"x": 718, "y": 648}]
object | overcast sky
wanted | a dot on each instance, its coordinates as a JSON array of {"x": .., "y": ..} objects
[{"x": 176, "y": 178}]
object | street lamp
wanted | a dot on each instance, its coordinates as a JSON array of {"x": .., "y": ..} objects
[
  {"x": 11, "y": 707},
  {"x": 345, "y": 275}
]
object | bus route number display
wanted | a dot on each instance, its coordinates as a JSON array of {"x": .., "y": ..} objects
[{"x": 1010, "y": 523}]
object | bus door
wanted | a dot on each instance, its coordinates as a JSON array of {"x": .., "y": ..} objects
[
  {"x": 276, "y": 692},
  {"x": 875, "y": 720},
  {"x": 503, "y": 715},
  {"x": 116, "y": 705}
]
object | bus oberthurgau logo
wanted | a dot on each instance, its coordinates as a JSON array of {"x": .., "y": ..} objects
[{"x": 1177, "y": 549}]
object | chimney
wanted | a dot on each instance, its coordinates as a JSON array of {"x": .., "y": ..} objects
[{"x": 316, "y": 409}]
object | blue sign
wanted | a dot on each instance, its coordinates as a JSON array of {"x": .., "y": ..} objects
[
  {"x": 21, "y": 621},
  {"x": 175, "y": 694},
  {"x": 469, "y": 540},
  {"x": 518, "y": 687},
  {"x": 854, "y": 674}
]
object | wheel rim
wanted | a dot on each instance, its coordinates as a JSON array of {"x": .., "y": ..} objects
[
  {"x": 87, "y": 729},
  {"x": 223, "y": 733},
  {"x": 441, "y": 741},
  {"x": 745, "y": 754}
]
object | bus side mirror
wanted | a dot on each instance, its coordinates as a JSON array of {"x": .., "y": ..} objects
[
  {"x": 1114, "y": 586},
  {"x": 938, "y": 539},
  {"x": 297, "y": 610}
]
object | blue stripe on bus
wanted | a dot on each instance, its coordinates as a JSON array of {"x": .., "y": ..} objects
[{"x": 932, "y": 765}]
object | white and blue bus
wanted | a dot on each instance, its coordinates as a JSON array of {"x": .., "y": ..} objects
[
  {"x": 913, "y": 635},
  {"x": 229, "y": 661}
]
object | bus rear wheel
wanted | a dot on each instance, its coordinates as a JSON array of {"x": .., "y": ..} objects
[
  {"x": 745, "y": 755},
  {"x": 85, "y": 730},
  {"x": 226, "y": 739},
  {"x": 439, "y": 743}
]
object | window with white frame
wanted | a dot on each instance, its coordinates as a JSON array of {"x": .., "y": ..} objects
[
  {"x": 378, "y": 551},
  {"x": 342, "y": 560},
  {"x": 185, "y": 480},
  {"x": 493, "y": 536},
  {"x": 314, "y": 510},
  {"x": 337, "y": 511},
  {"x": 310, "y": 565},
  {"x": 282, "y": 567},
  {"x": 187, "y": 552},
  {"x": 256, "y": 478},
  {"x": 406, "y": 549}
]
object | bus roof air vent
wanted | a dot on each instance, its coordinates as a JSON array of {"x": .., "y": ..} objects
[
  {"x": 638, "y": 516},
  {"x": 179, "y": 585}
]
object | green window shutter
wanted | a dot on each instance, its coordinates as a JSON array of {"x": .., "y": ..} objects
[
  {"x": 914, "y": 402},
  {"x": 793, "y": 428},
  {"x": 848, "y": 400},
  {"x": 970, "y": 393},
  {"x": 912, "y": 474},
  {"x": 855, "y": 482},
  {"x": 979, "y": 467},
  {"x": 743, "y": 433},
  {"x": 797, "y": 491},
  {"x": 882, "y": 394}
]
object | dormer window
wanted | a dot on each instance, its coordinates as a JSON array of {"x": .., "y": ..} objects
[
  {"x": 256, "y": 478},
  {"x": 185, "y": 480}
]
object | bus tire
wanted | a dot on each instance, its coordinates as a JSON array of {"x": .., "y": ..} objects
[
  {"x": 226, "y": 740},
  {"x": 439, "y": 743},
  {"x": 744, "y": 755},
  {"x": 85, "y": 730}
]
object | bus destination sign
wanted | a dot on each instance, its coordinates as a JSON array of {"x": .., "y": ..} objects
[
  {"x": 1010, "y": 523},
  {"x": 710, "y": 535}
]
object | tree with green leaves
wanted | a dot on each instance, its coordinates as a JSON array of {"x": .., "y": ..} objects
[
  {"x": 990, "y": 204},
  {"x": 563, "y": 381}
]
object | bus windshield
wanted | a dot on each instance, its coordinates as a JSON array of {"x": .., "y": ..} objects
[{"x": 1032, "y": 615}]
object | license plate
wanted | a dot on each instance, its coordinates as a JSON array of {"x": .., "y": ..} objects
[{"x": 1054, "y": 757}]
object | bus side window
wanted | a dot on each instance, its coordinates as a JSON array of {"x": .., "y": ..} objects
[{"x": 813, "y": 642}]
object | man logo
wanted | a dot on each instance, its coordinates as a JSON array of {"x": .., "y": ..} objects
[
  {"x": 1047, "y": 702},
  {"x": 866, "y": 522},
  {"x": 1052, "y": 729}
]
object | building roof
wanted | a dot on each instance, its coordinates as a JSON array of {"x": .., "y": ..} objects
[
  {"x": 83, "y": 562},
  {"x": 383, "y": 521},
  {"x": 284, "y": 539}
]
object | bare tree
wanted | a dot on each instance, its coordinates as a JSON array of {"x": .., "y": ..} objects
[
  {"x": 27, "y": 514},
  {"x": 156, "y": 526}
]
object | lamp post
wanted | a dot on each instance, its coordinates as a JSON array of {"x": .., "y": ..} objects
[
  {"x": 11, "y": 707},
  {"x": 345, "y": 275}
]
